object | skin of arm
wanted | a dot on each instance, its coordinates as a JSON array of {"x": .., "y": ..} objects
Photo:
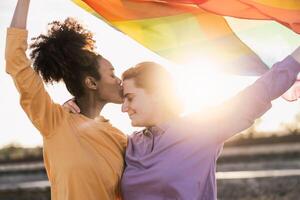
[
  {"x": 296, "y": 54},
  {"x": 20, "y": 15}
]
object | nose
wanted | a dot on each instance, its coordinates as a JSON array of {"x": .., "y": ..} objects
[{"x": 124, "y": 106}]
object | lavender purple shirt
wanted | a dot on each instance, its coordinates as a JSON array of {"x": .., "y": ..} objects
[{"x": 177, "y": 159}]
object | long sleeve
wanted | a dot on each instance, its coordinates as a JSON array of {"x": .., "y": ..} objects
[
  {"x": 34, "y": 99},
  {"x": 240, "y": 112}
]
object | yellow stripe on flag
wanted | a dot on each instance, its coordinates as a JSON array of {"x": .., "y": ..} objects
[
  {"x": 282, "y": 4},
  {"x": 187, "y": 35}
]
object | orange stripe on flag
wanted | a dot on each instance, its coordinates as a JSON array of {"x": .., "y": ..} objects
[
  {"x": 182, "y": 33},
  {"x": 286, "y": 12}
]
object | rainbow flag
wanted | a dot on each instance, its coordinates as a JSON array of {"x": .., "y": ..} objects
[
  {"x": 179, "y": 31},
  {"x": 286, "y": 12}
]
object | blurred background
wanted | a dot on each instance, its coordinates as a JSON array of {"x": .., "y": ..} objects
[{"x": 263, "y": 162}]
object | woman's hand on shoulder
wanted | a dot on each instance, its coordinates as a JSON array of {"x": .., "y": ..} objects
[{"x": 71, "y": 106}]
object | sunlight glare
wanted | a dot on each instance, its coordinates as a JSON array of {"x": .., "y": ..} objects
[{"x": 201, "y": 87}]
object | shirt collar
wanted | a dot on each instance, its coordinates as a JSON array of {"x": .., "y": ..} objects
[{"x": 158, "y": 129}]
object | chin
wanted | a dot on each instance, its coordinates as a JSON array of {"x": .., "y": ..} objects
[
  {"x": 118, "y": 101},
  {"x": 135, "y": 124}
]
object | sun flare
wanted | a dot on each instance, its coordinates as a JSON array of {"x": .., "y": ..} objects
[{"x": 200, "y": 87}]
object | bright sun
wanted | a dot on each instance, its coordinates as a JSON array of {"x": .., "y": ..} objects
[{"x": 200, "y": 87}]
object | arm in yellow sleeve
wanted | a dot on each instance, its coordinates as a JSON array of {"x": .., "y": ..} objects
[{"x": 34, "y": 99}]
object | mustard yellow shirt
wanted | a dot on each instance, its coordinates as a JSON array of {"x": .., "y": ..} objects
[{"x": 83, "y": 157}]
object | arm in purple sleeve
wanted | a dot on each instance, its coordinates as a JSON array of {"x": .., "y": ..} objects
[{"x": 240, "y": 112}]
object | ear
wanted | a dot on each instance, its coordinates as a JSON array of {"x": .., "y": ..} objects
[{"x": 90, "y": 82}]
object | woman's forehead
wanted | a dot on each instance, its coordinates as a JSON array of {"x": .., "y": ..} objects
[
  {"x": 129, "y": 87},
  {"x": 129, "y": 84},
  {"x": 105, "y": 64}
]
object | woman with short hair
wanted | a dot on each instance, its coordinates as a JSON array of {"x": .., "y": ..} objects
[{"x": 175, "y": 156}]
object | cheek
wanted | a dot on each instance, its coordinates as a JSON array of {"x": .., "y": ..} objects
[
  {"x": 108, "y": 90},
  {"x": 112, "y": 86},
  {"x": 104, "y": 92},
  {"x": 146, "y": 110}
]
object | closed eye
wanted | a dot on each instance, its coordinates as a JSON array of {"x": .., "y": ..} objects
[{"x": 129, "y": 97}]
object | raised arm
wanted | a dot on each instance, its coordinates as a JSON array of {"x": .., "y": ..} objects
[
  {"x": 240, "y": 112},
  {"x": 20, "y": 15},
  {"x": 34, "y": 99}
]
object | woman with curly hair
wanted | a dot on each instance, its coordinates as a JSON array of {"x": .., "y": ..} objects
[{"x": 83, "y": 154}]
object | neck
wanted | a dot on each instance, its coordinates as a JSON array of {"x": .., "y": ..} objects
[{"x": 90, "y": 106}]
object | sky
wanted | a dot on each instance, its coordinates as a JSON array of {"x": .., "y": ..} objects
[{"x": 271, "y": 41}]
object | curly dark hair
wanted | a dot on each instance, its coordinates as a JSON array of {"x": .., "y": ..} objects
[{"x": 65, "y": 52}]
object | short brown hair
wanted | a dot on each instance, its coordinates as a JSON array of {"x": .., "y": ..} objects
[
  {"x": 148, "y": 75},
  {"x": 152, "y": 77}
]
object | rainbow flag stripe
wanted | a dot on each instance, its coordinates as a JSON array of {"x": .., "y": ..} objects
[
  {"x": 286, "y": 12},
  {"x": 193, "y": 32}
]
